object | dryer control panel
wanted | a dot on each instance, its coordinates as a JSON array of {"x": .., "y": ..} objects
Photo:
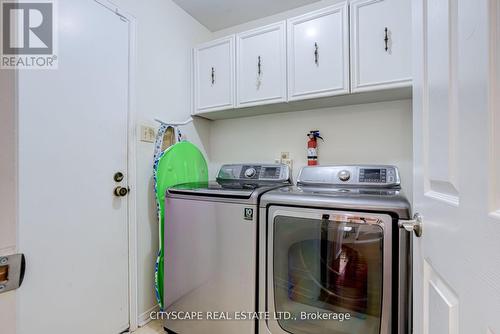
[
  {"x": 380, "y": 176},
  {"x": 273, "y": 173}
]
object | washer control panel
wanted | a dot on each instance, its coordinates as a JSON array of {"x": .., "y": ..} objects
[
  {"x": 381, "y": 176},
  {"x": 254, "y": 172},
  {"x": 373, "y": 175}
]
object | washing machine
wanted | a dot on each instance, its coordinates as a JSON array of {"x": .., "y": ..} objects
[
  {"x": 211, "y": 253},
  {"x": 333, "y": 258}
]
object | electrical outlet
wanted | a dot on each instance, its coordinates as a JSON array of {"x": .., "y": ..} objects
[
  {"x": 288, "y": 162},
  {"x": 285, "y": 155},
  {"x": 148, "y": 134}
]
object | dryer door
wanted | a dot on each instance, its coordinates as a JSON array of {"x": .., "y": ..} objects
[{"x": 328, "y": 271}]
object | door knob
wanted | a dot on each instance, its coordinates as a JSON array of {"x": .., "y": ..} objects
[
  {"x": 120, "y": 191},
  {"x": 414, "y": 225}
]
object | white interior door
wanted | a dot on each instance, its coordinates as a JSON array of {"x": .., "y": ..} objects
[
  {"x": 72, "y": 139},
  {"x": 456, "y": 127}
]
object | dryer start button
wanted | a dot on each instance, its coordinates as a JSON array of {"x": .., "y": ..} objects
[
  {"x": 344, "y": 175},
  {"x": 250, "y": 172}
]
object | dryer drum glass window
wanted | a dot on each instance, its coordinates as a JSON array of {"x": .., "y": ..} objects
[{"x": 331, "y": 266}]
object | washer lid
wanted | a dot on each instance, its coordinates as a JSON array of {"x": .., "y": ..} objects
[{"x": 215, "y": 189}]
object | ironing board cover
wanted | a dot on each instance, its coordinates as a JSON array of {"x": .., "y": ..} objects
[{"x": 180, "y": 163}]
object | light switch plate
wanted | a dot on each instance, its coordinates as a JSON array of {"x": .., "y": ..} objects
[
  {"x": 285, "y": 155},
  {"x": 148, "y": 134}
]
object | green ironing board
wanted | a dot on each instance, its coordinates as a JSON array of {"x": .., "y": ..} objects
[{"x": 180, "y": 163}]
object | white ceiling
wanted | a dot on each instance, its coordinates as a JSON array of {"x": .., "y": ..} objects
[{"x": 220, "y": 14}]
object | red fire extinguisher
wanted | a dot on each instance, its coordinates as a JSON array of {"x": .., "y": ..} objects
[{"x": 312, "y": 147}]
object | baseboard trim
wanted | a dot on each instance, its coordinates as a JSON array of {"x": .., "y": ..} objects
[{"x": 145, "y": 318}]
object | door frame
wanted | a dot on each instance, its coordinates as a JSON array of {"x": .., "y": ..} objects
[
  {"x": 9, "y": 305},
  {"x": 131, "y": 163}
]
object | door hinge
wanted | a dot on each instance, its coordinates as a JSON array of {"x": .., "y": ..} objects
[
  {"x": 122, "y": 17},
  {"x": 12, "y": 268}
]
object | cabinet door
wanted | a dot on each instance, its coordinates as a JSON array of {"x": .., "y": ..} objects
[
  {"x": 318, "y": 53},
  {"x": 380, "y": 44},
  {"x": 214, "y": 75},
  {"x": 261, "y": 69}
]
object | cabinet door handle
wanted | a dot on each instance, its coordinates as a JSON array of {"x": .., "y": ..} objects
[
  {"x": 213, "y": 75},
  {"x": 386, "y": 39},
  {"x": 259, "y": 66},
  {"x": 316, "y": 54}
]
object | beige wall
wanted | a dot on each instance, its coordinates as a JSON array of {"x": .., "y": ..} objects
[
  {"x": 378, "y": 133},
  {"x": 165, "y": 37}
]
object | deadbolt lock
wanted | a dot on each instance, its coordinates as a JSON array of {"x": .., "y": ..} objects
[
  {"x": 118, "y": 177},
  {"x": 121, "y": 191}
]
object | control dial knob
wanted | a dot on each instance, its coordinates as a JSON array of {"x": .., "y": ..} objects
[
  {"x": 250, "y": 172},
  {"x": 344, "y": 175}
]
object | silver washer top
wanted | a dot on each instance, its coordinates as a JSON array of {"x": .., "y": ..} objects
[
  {"x": 365, "y": 176},
  {"x": 353, "y": 187},
  {"x": 236, "y": 183},
  {"x": 254, "y": 174}
]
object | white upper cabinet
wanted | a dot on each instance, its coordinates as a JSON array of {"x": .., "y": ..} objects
[
  {"x": 380, "y": 44},
  {"x": 214, "y": 70},
  {"x": 318, "y": 53},
  {"x": 350, "y": 47},
  {"x": 261, "y": 66}
]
